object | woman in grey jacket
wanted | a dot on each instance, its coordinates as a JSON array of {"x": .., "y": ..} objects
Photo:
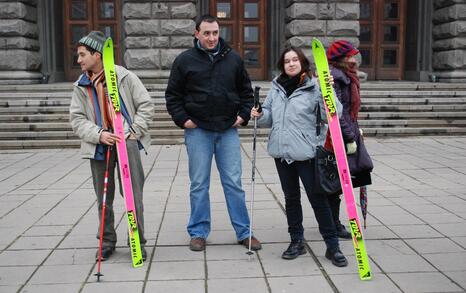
[{"x": 290, "y": 109}]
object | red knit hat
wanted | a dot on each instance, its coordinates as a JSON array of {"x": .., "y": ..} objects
[{"x": 340, "y": 49}]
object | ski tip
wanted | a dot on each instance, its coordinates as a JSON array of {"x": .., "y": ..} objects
[
  {"x": 316, "y": 43},
  {"x": 108, "y": 43}
]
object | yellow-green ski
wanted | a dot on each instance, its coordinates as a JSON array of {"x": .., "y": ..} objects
[
  {"x": 123, "y": 164},
  {"x": 320, "y": 58}
]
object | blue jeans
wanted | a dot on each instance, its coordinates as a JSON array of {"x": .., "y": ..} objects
[{"x": 201, "y": 145}]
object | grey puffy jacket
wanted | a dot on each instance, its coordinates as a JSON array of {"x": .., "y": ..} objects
[{"x": 293, "y": 121}]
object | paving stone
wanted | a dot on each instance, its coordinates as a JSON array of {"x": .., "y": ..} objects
[
  {"x": 402, "y": 263},
  {"x": 448, "y": 261},
  {"x": 61, "y": 274},
  {"x": 177, "y": 253},
  {"x": 299, "y": 284},
  {"x": 15, "y": 275},
  {"x": 229, "y": 269},
  {"x": 415, "y": 231},
  {"x": 40, "y": 288},
  {"x": 23, "y": 257},
  {"x": 459, "y": 278},
  {"x": 71, "y": 256},
  {"x": 181, "y": 270},
  {"x": 424, "y": 282},
  {"x": 438, "y": 245},
  {"x": 237, "y": 285},
  {"x": 195, "y": 286},
  {"x": 36, "y": 242},
  {"x": 112, "y": 287},
  {"x": 352, "y": 284}
]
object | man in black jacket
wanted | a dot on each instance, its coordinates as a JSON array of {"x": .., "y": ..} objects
[{"x": 209, "y": 95}]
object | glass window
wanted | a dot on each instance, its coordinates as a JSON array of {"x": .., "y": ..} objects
[
  {"x": 251, "y": 10},
  {"x": 108, "y": 31},
  {"x": 390, "y": 10},
  {"x": 364, "y": 11},
  {"x": 225, "y": 33},
  {"x": 79, "y": 9},
  {"x": 223, "y": 10},
  {"x": 389, "y": 58},
  {"x": 77, "y": 32},
  {"x": 365, "y": 34},
  {"x": 365, "y": 57},
  {"x": 390, "y": 33},
  {"x": 251, "y": 34},
  {"x": 107, "y": 10},
  {"x": 251, "y": 57}
]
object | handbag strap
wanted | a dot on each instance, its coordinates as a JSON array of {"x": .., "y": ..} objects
[{"x": 318, "y": 120}]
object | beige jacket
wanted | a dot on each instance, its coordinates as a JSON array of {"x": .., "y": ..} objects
[{"x": 137, "y": 101}]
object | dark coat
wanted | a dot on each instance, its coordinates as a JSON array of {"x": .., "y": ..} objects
[
  {"x": 360, "y": 163},
  {"x": 210, "y": 92}
]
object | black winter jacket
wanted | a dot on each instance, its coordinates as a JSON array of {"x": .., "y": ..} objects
[{"x": 212, "y": 93}]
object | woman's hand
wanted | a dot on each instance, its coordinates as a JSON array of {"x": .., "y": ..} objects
[{"x": 255, "y": 113}]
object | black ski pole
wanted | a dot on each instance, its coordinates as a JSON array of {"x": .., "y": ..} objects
[{"x": 253, "y": 173}]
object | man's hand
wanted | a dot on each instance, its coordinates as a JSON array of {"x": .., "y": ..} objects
[
  {"x": 189, "y": 124},
  {"x": 238, "y": 122},
  {"x": 108, "y": 138}
]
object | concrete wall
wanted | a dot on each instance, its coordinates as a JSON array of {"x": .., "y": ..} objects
[
  {"x": 449, "y": 40},
  {"x": 19, "y": 46},
  {"x": 155, "y": 33}
]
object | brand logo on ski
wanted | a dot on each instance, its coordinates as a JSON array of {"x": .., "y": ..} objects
[{"x": 355, "y": 229}]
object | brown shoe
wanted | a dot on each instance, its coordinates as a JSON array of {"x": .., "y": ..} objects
[
  {"x": 197, "y": 244},
  {"x": 255, "y": 244}
]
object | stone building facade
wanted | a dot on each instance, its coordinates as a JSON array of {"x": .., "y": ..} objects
[{"x": 36, "y": 36}]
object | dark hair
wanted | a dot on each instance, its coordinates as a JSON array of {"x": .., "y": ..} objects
[
  {"x": 305, "y": 64},
  {"x": 91, "y": 50},
  {"x": 340, "y": 63},
  {"x": 207, "y": 18}
]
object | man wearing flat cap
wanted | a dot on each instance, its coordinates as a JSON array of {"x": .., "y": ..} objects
[{"x": 91, "y": 120}]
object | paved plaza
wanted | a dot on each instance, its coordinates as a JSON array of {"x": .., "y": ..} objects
[{"x": 415, "y": 236}]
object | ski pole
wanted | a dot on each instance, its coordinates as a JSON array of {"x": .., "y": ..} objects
[
  {"x": 104, "y": 205},
  {"x": 253, "y": 173}
]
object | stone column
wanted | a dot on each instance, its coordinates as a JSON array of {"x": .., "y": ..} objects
[
  {"x": 155, "y": 33},
  {"x": 328, "y": 20},
  {"x": 449, "y": 35},
  {"x": 19, "y": 46}
]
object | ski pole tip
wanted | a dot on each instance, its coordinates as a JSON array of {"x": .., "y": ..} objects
[{"x": 98, "y": 275}]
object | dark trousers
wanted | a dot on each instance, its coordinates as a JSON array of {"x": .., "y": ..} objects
[
  {"x": 289, "y": 178},
  {"x": 137, "y": 182}
]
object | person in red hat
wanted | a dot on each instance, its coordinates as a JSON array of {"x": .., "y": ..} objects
[{"x": 343, "y": 66}]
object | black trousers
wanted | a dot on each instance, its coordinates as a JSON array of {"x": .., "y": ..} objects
[{"x": 289, "y": 178}]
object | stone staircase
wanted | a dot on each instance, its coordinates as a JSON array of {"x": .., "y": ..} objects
[{"x": 36, "y": 116}]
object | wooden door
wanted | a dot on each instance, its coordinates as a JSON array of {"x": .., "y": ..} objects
[
  {"x": 382, "y": 38},
  {"x": 83, "y": 16},
  {"x": 243, "y": 27}
]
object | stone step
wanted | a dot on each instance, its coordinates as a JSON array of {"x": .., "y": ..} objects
[
  {"x": 413, "y": 108},
  {"x": 412, "y": 123},
  {"x": 411, "y": 115},
  {"x": 68, "y": 134}
]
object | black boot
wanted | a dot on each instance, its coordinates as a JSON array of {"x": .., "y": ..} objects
[
  {"x": 337, "y": 257},
  {"x": 342, "y": 233},
  {"x": 295, "y": 249}
]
